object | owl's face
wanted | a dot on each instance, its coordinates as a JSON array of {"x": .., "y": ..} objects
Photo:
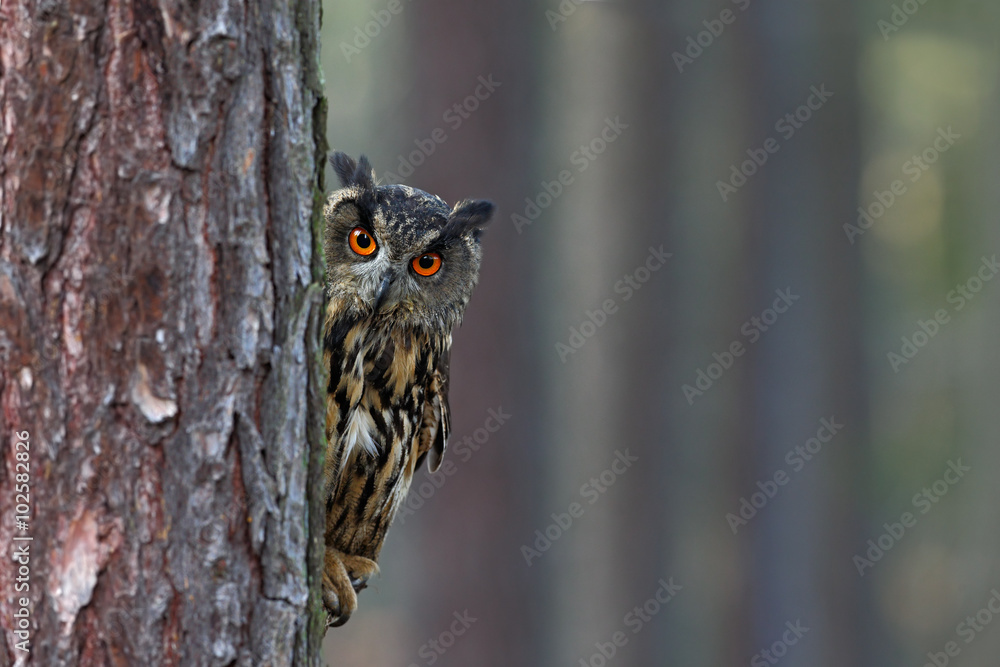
[{"x": 397, "y": 254}]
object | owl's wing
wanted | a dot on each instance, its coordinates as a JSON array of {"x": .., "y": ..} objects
[{"x": 436, "y": 426}]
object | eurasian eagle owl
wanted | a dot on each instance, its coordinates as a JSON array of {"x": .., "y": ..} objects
[{"x": 401, "y": 266}]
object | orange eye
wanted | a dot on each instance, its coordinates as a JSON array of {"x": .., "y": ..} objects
[
  {"x": 362, "y": 242},
  {"x": 427, "y": 265}
]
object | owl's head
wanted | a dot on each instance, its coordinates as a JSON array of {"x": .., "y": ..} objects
[{"x": 398, "y": 254}]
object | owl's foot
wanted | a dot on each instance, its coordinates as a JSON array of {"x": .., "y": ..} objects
[{"x": 344, "y": 576}]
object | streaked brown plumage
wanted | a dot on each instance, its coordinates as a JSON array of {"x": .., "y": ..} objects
[{"x": 401, "y": 267}]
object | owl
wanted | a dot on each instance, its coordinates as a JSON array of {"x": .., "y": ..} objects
[{"x": 401, "y": 267}]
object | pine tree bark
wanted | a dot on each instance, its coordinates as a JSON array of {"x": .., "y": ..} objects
[{"x": 160, "y": 171}]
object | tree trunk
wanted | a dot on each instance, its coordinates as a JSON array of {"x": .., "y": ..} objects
[
  {"x": 810, "y": 366},
  {"x": 159, "y": 308}
]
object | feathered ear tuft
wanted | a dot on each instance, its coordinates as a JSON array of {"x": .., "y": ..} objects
[
  {"x": 353, "y": 173},
  {"x": 469, "y": 215}
]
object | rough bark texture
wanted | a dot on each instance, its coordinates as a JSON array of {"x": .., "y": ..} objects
[{"x": 159, "y": 186}]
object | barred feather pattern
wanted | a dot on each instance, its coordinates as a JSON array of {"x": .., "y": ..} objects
[{"x": 386, "y": 408}]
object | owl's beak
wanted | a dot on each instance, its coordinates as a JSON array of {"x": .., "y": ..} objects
[{"x": 383, "y": 290}]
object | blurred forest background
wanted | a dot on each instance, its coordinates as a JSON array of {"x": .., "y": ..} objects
[{"x": 741, "y": 137}]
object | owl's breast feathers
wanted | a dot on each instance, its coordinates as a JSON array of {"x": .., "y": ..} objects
[{"x": 386, "y": 409}]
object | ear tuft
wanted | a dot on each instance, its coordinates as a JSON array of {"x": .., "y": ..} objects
[
  {"x": 353, "y": 173},
  {"x": 470, "y": 215}
]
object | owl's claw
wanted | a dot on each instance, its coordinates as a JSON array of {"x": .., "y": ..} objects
[
  {"x": 360, "y": 583},
  {"x": 344, "y": 576},
  {"x": 331, "y": 601}
]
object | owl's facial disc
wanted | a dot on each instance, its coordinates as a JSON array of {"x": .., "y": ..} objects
[{"x": 402, "y": 257}]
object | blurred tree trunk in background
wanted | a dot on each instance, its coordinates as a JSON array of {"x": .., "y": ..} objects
[
  {"x": 809, "y": 365},
  {"x": 159, "y": 315},
  {"x": 469, "y": 555},
  {"x": 651, "y": 188},
  {"x": 609, "y": 125}
]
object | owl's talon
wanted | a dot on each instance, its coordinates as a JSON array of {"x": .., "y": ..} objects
[
  {"x": 343, "y": 577},
  {"x": 332, "y": 604},
  {"x": 336, "y": 621}
]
